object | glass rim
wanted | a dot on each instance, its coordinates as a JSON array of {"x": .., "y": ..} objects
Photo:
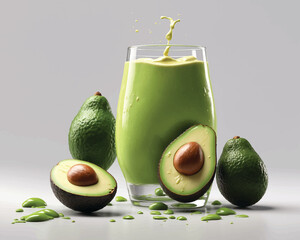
[{"x": 184, "y": 46}]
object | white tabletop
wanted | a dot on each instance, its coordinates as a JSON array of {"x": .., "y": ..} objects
[{"x": 276, "y": 216}]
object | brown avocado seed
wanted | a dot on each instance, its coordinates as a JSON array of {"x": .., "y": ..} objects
[
  {"x": 189, "y": 158},
  {"x": 236, "y": 137},
  {"x": 82, "y": 175}
]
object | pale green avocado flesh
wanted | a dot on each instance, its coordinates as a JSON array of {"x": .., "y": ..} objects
[
  {"x": 105, "y": 185},
  {"x": 183, "y": 187}
]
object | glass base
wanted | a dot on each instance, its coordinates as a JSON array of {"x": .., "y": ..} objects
[{"x": 144, "y": 196}]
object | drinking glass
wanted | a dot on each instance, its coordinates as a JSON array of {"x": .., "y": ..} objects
[{"x": 157, "y": 102}]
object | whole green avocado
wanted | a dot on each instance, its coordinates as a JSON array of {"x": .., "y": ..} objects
[
  {"x": 92, "y": 132},
  {"x": 241, "y": 174}
]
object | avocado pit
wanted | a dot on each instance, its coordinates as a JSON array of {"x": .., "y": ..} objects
[
  {"x": 79, "y": 197},
  {"x": 82, "y": 175},
  {"x": 186, "y": 148},
  {"x": 189, "y": 158}
]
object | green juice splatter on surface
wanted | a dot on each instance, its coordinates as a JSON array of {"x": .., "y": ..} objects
[
  {"x": 120, "y": 199},
  {"x": 242, "y": 216},
  {"x": 211, "y": 217},
  {"x": 158, "y": 206},
  {"x": 159, "y": 192},
  {"x": 40, "y": 216},
  {"x": 159, "y": 218},
  {"x": 155, "y": 213},
  {"x": 34, "y": 203},
  {"x": 225, "y": 211},
  {"x": 169, "y": 211},
  {"x": 128, "y": 217},
  {"x": 18, "y": 221},
  {"x": 216, "y": 202}
]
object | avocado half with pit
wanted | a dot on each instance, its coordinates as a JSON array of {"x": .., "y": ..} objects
[
  {"x": 188, "y": 165},
  {"x": 82, "y": 186}
]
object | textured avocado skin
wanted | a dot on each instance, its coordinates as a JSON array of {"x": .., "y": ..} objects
[
  {"x": 92, "y": 133},
  {"x": 188, "y": 198},
  {"x": 196, "y": 195},
  {"x": 241, "y": 174},
  {"x": 82, "y": 203}
]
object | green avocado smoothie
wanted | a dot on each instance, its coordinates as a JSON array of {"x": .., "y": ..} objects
[
  {"x": 159, "y": 99},
  {"x": 161, "y": 96}
]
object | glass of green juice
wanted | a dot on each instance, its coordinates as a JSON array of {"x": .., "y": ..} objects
[{"x": 161, "y": 96}]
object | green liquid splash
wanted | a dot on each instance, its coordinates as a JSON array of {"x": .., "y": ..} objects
[
  {"x": 211, "y": 217},
  {"x": 34, "y": 203},
  {"x": 158, "y": 206},
  {"x": 40, "y": 216},
  {"x": 169, "y": 35},
  {"x": 225, "y": 211}
]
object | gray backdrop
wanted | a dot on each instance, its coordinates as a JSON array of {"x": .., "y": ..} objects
[{"x": 55, "y": 54}]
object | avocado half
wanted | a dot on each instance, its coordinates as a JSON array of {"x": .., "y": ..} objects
[
  {"x": 188, "y": 188},
  {"x": 82, "y": 198}
]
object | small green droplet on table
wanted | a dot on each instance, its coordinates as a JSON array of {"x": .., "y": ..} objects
[
  {"x": 225, "y": 211},
  {"x": 19, "y": 210},
  {"x": 155, "y": 213},
  {"x": 112, "y": 220},
  {"x": 66, "y": 218},
  {"x": 172, "y": 217},
  {"x": 216, "y": 202},
  {"x": 140, "y": 212},
  {"x": 159, "y": 192},
  {"x": 39, "y": 216},
  {"x": 159, "y": 218},
  {"x": 61, "y": 215},
  {"x": 158, "y": 206},
  {"x": 181, "y": 218},
  {"x": 34, "y": 203},
  {"x": 128, "y": 217},
  {"x": 18, "y": 221},
  {"x": 169, "y": 211},
  {"x": 120, "y": 199},
  {"x": 242, "y": 216},
  {"x": 211, "y": 217}
]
